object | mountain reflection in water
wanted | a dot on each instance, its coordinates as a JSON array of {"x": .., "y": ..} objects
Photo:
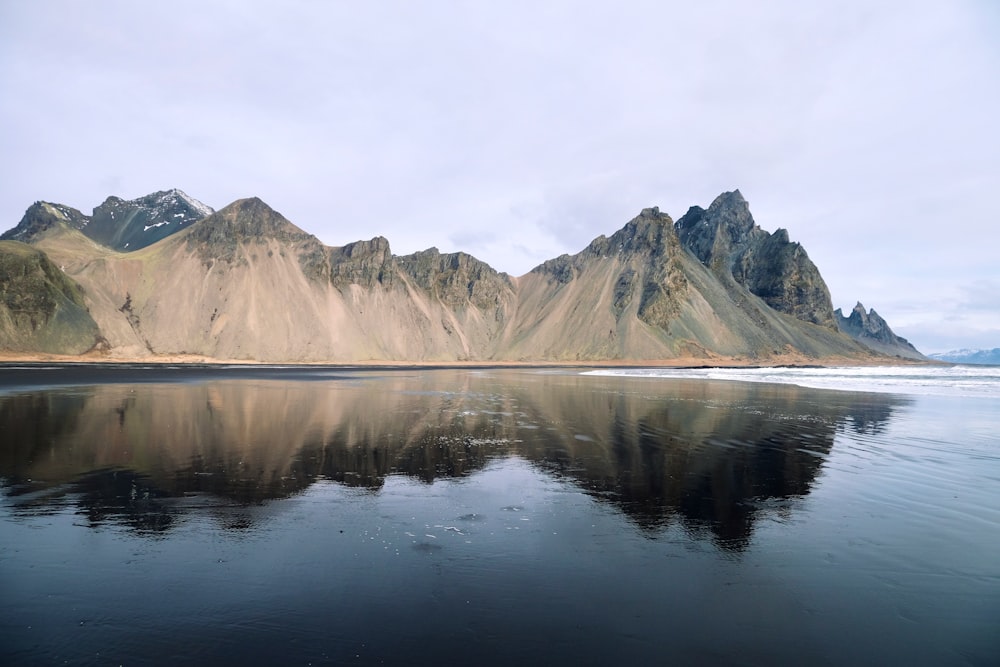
[{"x": 711, "y": 455}]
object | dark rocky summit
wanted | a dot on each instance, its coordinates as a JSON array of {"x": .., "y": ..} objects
[
  {"x": 726, "y": 239},
  {"x": 364, "y": 263},
  {"x": 650, "y": 236},
  {"x": 872, "y": 331},
  {"x": 41, "y": 217},
  {"x": 137, "y": 223},
  {"x": 244, "y": 221}
]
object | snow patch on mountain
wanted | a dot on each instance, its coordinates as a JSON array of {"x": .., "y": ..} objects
[{"x": 203, "y": 209}]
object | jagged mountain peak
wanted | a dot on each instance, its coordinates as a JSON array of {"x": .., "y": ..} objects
[
  {"x": 869, "y": 329},
  {"x": 733, "y": 210},
  {"x": 726, "y": 239},
  {"x": 650, "y": 232},
  {"x": 867, "y": 322},
  {"x": 730, "y": 210},
  {"x": 733, "y": 198},
  {"x": 717, "y": 234}
]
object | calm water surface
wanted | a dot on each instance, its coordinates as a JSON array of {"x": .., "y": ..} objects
[{"x": 337, "y": 516}]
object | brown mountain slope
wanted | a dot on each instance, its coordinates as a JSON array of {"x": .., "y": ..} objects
[{"x": 245, "y": 283}]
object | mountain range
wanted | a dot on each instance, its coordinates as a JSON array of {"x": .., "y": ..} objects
[
  {"x": 167, "y": 275},
  {"x": 979, "y": 357}
]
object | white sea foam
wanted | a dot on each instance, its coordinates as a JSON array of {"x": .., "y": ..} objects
[{"x": 958, "y": 380}]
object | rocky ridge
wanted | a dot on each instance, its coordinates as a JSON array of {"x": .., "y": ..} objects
[
  {"x": 124, "y": 225},
  {"x": 868, "y": 328},
  {"x": 245, "y": 283}
]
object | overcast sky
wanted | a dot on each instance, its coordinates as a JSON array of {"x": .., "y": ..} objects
[{"x": 518, "y": 131}]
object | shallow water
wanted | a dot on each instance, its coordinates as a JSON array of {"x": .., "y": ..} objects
[{"x": 296, "y": 516}]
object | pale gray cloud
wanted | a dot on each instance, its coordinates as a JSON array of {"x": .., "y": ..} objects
[{"x": 518, "y": 131}]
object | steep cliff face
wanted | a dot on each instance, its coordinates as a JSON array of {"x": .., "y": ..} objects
[
  {"x": 719, "y": 235},
  {"x": 245, "y": 283},
  {"x": 41, "y": 310},
  {"x": 726, "y": 239},
  {"x": 365, "y": 263},
  {"x": 869, "y": 329},
  {"x": 643, "y": 294},
  {"x": 657, "y": 286},
  {"x": 457, "y": 280}
]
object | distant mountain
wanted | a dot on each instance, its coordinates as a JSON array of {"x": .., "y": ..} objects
[
  {"x": 117, "y": 223},
  {"x": 869, "y": 329},
  {"x": 987, "y": 357},
  {"x": 245, "y": 283}
]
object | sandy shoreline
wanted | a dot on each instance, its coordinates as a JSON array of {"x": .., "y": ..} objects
[{"x": 787, "y": 360}]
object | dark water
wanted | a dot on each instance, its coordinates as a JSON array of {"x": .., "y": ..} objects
[{"x": 290, "y": 516}]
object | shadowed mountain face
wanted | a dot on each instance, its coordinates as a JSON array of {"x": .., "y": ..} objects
[
  {"x": 726, "y": 239},
  {"x": 244, "y": 283},
  {"x": 710, "y": 455},
  {"x": 41, "y": 310}
]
